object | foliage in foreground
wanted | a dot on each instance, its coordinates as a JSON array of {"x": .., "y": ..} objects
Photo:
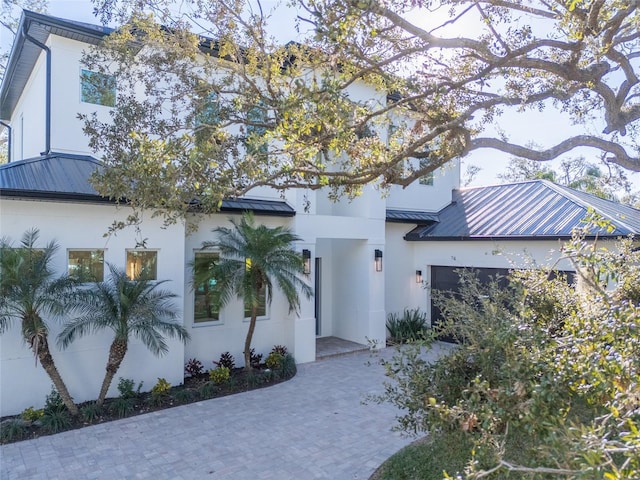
[
  {"x": 552, "y": 363},
  {"x": 208, "y": 129}
]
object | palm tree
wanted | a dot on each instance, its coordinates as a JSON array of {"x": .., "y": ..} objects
[
  {"x": 29, "y": 292},
  {"x": 252, "y": 260},
  {"x": 131, "y": 308}
]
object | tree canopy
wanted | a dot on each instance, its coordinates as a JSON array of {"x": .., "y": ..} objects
[{"x": 230, "y": 108}]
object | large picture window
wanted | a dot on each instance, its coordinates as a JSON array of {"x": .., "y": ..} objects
[
  {"x": 205, "y": 294},
  {"x": 86, "y": 265},
  {"x": 97, "y": 88},
  {"x": 142, "y": 264}
]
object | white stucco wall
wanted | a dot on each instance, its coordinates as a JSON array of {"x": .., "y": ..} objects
[
  {"x": 28, "y": 118},
  {"x": 82, "y": 364}
]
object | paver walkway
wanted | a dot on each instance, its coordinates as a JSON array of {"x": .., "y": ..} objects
[{"x": 313, "y": 426}]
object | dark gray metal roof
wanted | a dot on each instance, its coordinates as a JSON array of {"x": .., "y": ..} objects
[
  {"x": 63, "y": 176},
  {"x": 529, "y": 210},
  {"x": 24, "y": 53},
  {"x": 57, "y": 175},
  {"x": 410, "y": 216}
]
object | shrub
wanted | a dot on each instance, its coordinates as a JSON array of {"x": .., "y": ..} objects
[
  {"x": 207, "y": 390},
  {"x": 288, "y": 366},
  {"x": 91, "y": 412},
  {"x": 54, "y": 421},
  {"x": 161, "y": 387},
  {"x": 255, "y": 358},
  {"x": 184, "y": 395},
  {"x": 274, "y": 360},
  {"x": 219, "y": 375},
  {"x": 281, "y": 349},
  {"x": 12, "y": 430},
  {"x": 121, "y": 407},
  {"x": 193, "y": 367},
  {"x": 408, "y": 327},
  {"x": 226, "y": 360},
  {"x": 53, "y": 402},
  {"x": 30, "y": 414},
  {"x": 125, "y": 387}
]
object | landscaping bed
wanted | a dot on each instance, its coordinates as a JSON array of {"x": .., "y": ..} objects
[{"x": 55, "y": 418}]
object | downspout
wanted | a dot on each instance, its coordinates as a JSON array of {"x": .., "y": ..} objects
[
  {"x": 47, "y": 134},
  {"x": 8, "y": 127}
]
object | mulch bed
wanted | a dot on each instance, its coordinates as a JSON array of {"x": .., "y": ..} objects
[{"x": 194, "y": 389}]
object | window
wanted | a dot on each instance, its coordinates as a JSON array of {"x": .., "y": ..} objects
[
  {"x": 142, "y": 264},
  {"x": 428, "y": 178},
  {"x": 86, "y": 265},
  {"x": 205, "y": 294},
  {"x": 97, "y": 88},
  {"x": 206, "y": 119},
  {"x": 262, "y": 304},
  {"x": 256, "y": 128}
]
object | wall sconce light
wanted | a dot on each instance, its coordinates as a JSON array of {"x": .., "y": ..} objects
[
  {"x": 378, "y": 259},
  {"x": 418, "y": 276},
  {"x": 306, "y": 261}
]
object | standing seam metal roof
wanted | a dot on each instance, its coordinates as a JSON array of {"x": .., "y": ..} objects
[
  {"x": 63, "y": 176},
  {"x": 535, "y": 209}
]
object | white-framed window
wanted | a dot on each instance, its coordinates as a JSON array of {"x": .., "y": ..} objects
[
  {"x": 205, "y": 294},
  {"x": 86, "y": 265},
  {"x": 97, "y": 88},
  {"x": 142, "y": 264}
]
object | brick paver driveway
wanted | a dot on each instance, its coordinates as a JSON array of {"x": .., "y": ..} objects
[{"x": 313, "y": 426}]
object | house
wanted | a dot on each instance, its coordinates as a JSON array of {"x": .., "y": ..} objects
[{"x": 368, "y": 257}]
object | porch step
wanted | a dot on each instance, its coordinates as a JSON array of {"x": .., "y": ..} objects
[{"x": 334, "y": 346}]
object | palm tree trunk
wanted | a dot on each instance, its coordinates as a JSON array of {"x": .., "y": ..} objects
[
  {"x": 46, "y": 360},
  {"x": 247, "y": 342},
  {"x": 117, "y": 352}
]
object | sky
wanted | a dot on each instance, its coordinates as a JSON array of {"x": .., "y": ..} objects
[{"x": 547, "y": 128}]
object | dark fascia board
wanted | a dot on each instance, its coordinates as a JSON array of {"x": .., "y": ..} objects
[
  {"x": 24, "y": 54},
  {"x": 59, "y": 196}
]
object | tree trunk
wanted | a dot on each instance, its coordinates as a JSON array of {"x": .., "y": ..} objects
[
  {"x": 116, "y": 354},
  {"x": 44, "y": 355},
  {"x": 247, "y": 342}
]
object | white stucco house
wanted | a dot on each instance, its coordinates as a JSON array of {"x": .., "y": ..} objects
[{"x": 368, "y": 257}]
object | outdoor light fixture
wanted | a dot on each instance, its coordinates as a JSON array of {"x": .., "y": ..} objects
[
  {"x": 306, "y": 261},
  {"x": 378, "y": 259},
  {"x": 418, "y": 276}
]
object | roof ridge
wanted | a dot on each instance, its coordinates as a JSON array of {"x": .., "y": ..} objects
[
  {"x": 474, "y": 187},
  {"x": 74, "y": 156}
]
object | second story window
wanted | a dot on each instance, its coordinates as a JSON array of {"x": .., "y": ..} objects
[
  {"x": 97, "y": 88},
  {"x": 255, "y": 143},
  {"x": 426, "y": 179}
]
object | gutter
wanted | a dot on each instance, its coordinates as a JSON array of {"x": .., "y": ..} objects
[
  {"x": 8, "y": 127},
  {"x": 47, "y": 50}
]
